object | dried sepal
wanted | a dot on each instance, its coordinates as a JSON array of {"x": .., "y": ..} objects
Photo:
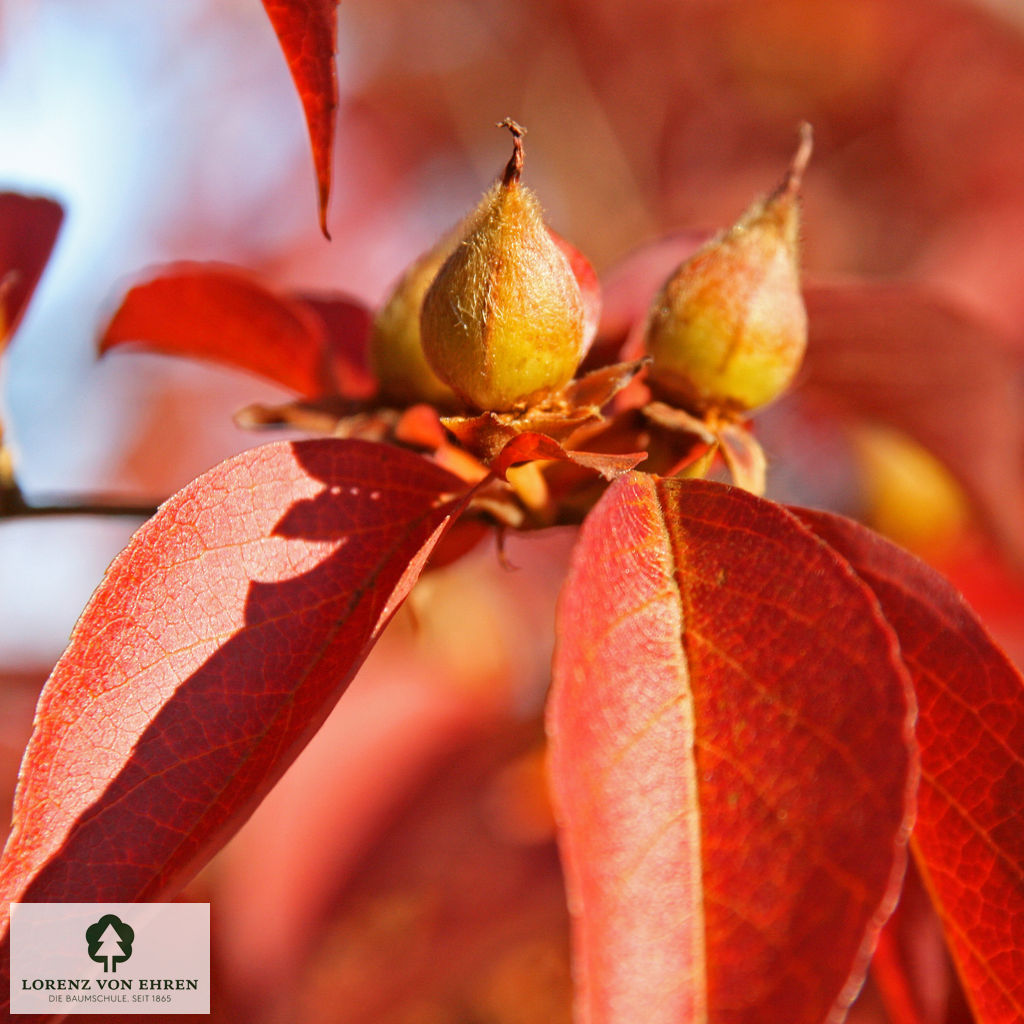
[{"x": 568, "y": 415}]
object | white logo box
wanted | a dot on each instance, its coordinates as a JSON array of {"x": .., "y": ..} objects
[{"x": 110, "y": 958}]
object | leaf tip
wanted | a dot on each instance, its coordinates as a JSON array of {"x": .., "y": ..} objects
[{"x": 323, "y": 197}]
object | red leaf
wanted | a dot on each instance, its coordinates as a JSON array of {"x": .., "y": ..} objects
[
  {"x": 994, "y": 589},
  {"x": 732, "y": 761},
  {"x": 969, "y": 838},
  {"x": 905, "y": 355},
  {"x": 307, "y": 30},
  {"x": 347, "y": 324},
  {"x": 28, "y": 231},
  {"x": 217, "y": 312},
  {"x": 214, "y": 648}
]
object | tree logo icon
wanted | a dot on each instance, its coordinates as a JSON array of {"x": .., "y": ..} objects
[{"x": 110, "y": 941}]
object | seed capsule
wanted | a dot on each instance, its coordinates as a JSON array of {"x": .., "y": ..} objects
[
  {"x": 396, "y": 350},
  {"x": 503, "y": 320},
  {"x": 728, "y": 330}
]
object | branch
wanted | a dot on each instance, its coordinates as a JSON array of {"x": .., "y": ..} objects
[{"x": 14, "y": 506}]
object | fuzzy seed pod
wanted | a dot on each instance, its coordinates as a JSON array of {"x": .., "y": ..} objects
[
  {"x": 503, "y": 320},
  {"x": 728, "y": 330},
  {"x": 396, "y": 350}
]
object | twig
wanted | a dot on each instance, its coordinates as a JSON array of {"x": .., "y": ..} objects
[{"x": 14, "y": 506}]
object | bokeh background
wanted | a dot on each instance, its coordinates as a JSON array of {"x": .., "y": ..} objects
[{"x": 172, "y": 131}]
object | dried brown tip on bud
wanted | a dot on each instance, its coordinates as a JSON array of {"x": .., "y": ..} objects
[
  {"x": 514, "y": 167},
  {"x": 728, "y": 330},
  {"x": 795, "y": 175},
  {"x": 503, "y": 320}
]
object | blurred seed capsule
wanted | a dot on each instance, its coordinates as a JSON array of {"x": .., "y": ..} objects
[
  {"x": 728, "y": 331},
  {"x": 396, "y": 349}
]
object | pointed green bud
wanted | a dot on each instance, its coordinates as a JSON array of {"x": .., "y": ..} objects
[
  {"x": 503, "y": 320},
  {"x": 728, "y": 330}
]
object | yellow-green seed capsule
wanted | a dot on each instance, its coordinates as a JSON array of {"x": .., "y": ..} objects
[
  {"x": 403, "y": 374},
  {"x": 503, "y": 320},
  {"x": 728, "y": 331}
]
